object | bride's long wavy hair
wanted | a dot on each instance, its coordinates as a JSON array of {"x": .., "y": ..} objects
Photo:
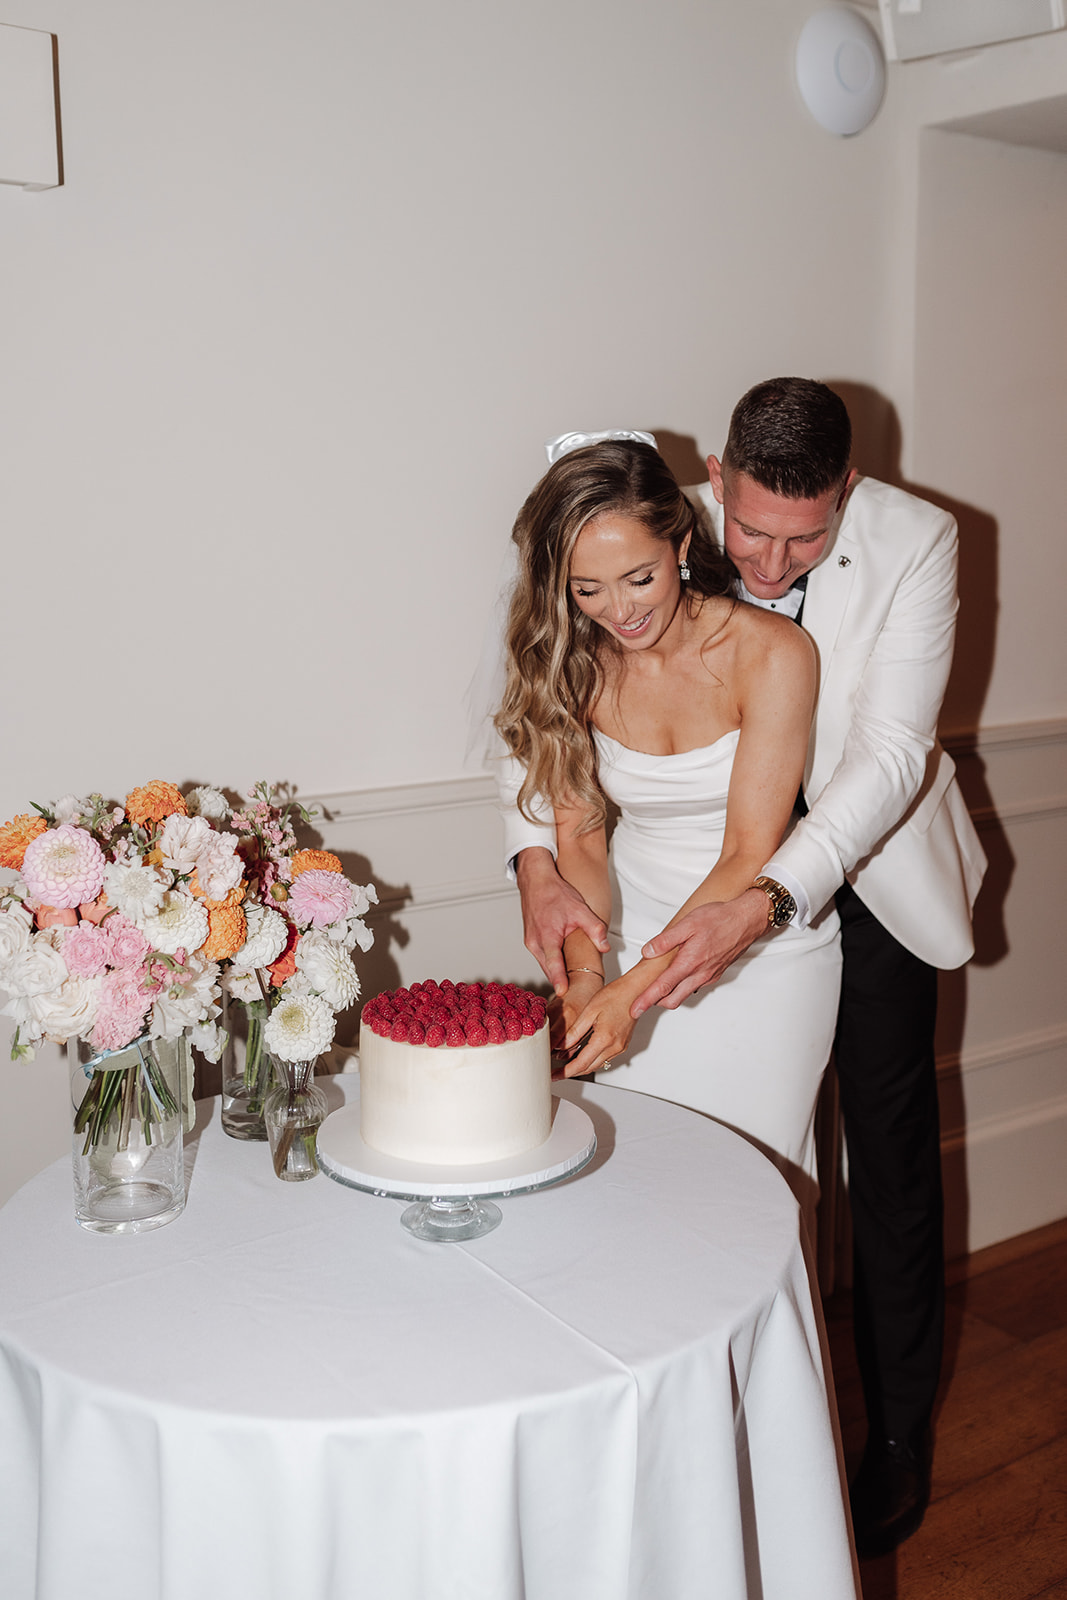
[{"x": 555, "y": 652}]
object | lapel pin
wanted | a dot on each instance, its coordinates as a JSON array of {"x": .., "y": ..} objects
[{"x": 844, "y": 561}]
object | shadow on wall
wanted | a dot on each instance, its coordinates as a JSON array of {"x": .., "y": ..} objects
[{"x": 876, "y": 452}]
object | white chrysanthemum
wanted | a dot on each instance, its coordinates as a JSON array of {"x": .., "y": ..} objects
[
  {"x": 266, "y": 938},
  {"x": 181, "y": 923},
  {"x": 241, "y": 985},
  {"x": 134, "y": 889},
  {"x": 208, "y": 802},
  {"x": 15, "y": 925},
  {"x": 218, "y": 867},
  {"x": 328, "y": 968},
  {"x": 299, "y": 1028},
  {"x": 182, "y": 840},
  {"x": 66, "y": 1011}
]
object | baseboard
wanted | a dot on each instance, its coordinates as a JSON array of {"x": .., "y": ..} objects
[{"x": 1052, "y": 1237}]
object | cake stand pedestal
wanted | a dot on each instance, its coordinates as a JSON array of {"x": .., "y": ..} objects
[{"x": 452, "y": 1203}]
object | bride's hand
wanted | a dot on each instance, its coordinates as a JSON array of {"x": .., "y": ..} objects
[
  {"x": 565, "y": 1009},
  {"x": 602, "y": 1029}
]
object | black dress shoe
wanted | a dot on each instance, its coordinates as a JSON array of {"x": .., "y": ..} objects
[{"x": 890, "y": 1493}]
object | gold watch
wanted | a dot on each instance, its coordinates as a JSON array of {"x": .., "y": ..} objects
[{"x": 782, "y": 908}]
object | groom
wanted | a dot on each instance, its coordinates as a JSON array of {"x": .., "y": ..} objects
[{"x": 870, "y": 573}]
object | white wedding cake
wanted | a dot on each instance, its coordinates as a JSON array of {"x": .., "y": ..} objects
[{"x": 455, "y": 1074}]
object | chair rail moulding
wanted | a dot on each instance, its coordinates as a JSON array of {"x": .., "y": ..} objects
[{"x": 30, "y": 148}]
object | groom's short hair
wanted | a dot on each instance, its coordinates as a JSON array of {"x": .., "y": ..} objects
[{"x": 791, "y": 436}]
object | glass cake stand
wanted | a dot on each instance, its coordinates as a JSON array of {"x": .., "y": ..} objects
[{"x": 454, "y": 1203}]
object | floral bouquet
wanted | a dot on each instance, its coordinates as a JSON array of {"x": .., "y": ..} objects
[
  {"x": 293, "y": 971},
  {"x": 127, "y": 921}
]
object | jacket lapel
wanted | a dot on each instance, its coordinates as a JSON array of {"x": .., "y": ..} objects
[{"x": 830, "y": 589}]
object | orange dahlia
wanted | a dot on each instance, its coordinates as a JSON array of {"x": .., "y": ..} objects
[
  {"x": 154, "y": 802},
  {"x": 314, "y": 861},
  {"x": 16, "y": 835},
  {"x": 227, "y": 930}
]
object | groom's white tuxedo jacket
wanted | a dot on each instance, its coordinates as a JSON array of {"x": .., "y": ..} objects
[{"x": 885, "y": 810}]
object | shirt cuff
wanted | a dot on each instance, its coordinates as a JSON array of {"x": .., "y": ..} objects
[
  {"x": 511, "y": 866},
  {"x": 782, "y": 875}
]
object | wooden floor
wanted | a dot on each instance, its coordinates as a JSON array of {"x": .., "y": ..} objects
[{"x": 997, "y": 1523}]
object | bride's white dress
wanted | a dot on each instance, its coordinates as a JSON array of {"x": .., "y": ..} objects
[{"x": 749, "y": 1050}]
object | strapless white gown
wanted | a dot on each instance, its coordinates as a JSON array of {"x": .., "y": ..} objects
[{"x": 751, "y": 1049}]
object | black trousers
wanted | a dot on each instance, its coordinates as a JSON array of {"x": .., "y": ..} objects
[{"x": 884, "y": 1052}]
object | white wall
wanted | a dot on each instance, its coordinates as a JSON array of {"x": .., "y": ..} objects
[{"x": 319, "y": 282}]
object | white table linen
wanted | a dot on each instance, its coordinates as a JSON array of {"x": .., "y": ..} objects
[{"x": 617, "y": 1395}]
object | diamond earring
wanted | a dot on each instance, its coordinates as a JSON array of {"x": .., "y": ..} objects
[{"x": 683, "y": 570}]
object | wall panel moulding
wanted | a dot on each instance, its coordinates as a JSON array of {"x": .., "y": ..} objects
[
  {"x": 914, "y": 28},
  {"x": 30, "y": 155}
]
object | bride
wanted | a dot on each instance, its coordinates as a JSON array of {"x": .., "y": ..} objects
[{"x": 636, "y": 679}]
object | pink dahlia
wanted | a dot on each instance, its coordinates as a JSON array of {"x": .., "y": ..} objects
[
  {"x": 120, "y": 1010},
  {"x": 320, "y": 898},
  {"x": 64, "y": 867},
  {"x": 85, "y": 950}
]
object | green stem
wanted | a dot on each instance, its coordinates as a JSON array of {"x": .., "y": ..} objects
[{"x": 257, "y": 1060}]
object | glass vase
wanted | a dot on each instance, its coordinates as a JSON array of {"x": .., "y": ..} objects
[
  {"x": 294, "y": 1111},
  {"x": 245, "y": 1085},
  {"x": 129, "y": 1171}
]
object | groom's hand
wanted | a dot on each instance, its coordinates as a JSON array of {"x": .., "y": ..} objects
[
  {"x": 551, "y": 909},
  {"x": 705, "y": 941}
]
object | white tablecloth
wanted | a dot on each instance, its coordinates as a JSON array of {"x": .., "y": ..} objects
[{"x": 617, "y": 1395}]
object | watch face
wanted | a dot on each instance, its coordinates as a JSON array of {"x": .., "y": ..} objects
[{"x": 785, "y": 911}]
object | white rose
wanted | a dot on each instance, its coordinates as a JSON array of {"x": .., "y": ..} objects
[
  {"x": 218, "y": 868},
  {"x": 189, "y": 1000},
  {"x": 37, "y": 969},
  {"x": 181, "y": 842},
  {"x": 68, "y": 1010},
  {"x": 15, "y": 925},
  {"x": 208, "y": 802},
  {"x": 71, "y": 809}
]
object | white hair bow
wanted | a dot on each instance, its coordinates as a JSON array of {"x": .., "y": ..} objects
[{"x": 577, "y": 441}]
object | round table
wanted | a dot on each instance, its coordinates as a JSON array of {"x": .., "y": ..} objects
[{"x": 617, "y": 1395}]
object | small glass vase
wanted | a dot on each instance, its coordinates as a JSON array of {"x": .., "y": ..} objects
[
  {"x": 294, "y": 1111},
  {"x": 129, "y": 1170},
  {"x": 245, "y": 1089}
]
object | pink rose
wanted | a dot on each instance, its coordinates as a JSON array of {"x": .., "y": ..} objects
[
  {"x": 127, "y": 945},
  {"x": 85, "y": 950}
]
